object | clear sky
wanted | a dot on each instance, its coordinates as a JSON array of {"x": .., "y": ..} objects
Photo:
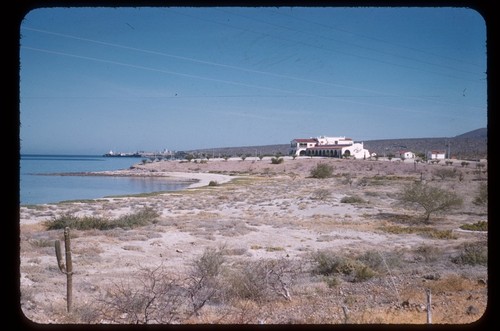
[{"x": 180, "y": 78}]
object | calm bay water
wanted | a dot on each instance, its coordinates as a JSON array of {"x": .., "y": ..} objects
[{"x": 37, "y": 188}]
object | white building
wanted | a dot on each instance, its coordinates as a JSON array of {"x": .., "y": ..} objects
[
  {"x": 436, "y": 155},
  {"x": 328, "y": 146},
  {"x": 405, "y": 155}
]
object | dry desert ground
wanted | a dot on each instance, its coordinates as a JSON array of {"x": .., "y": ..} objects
[{"x": 262, "y": 243}]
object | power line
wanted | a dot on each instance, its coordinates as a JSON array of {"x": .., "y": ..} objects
[
  {"x": 153, "y": 69},
  {"x": 223, "y": 66},
  {"x": 211, "y": 79},
  {"x": 346, "y": 42},
  {"x": 199, "y": 61},
  {"x": 330, "y": 50},
  {"x": 378, "y": 39}
]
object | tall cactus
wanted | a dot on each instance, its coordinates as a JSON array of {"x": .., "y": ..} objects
[{"x": 68, "y": 269}]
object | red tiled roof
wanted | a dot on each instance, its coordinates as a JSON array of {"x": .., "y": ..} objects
[
  {"x": 305, "y": 140},
  {"x": 329, "y": 147}
]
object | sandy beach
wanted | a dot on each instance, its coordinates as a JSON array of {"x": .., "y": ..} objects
[{"x": 255, "y": 211}]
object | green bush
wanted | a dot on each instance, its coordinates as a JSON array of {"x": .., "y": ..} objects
[
  {"x": 322, "y": 170},
  {"x": 478, "y": 226},
  {"x": 440, "y": 234},
  {"x": 140, "y": 218},
  {"x": 277, "y": 160}
]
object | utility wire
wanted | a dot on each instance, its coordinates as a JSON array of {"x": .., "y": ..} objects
[
  {"x": 214, "y": 79},
  {"x": 221, "y": 65},
  {"x": 329, "y": 49},
  {"x": 377, "y": 39},
  {"x": 347, "y": 43}
]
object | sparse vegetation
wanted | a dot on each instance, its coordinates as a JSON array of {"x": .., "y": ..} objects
[
  {"x": 172, "y": 269},
  {"x": 322, "y": 170},
  {"x": 445, "y": 173}
]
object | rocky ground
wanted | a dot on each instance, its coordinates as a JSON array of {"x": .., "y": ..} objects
[{"x": 265, "y": 221}]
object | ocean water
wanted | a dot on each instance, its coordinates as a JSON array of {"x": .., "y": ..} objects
[{"x": 37, "y": 186}]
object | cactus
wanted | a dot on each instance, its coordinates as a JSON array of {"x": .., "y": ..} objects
[{"x": 68, "y": 269}]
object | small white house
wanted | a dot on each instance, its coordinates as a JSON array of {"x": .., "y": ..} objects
[
  {"x": 436, "y": 155},
  {"x": 405, "y": 155}
]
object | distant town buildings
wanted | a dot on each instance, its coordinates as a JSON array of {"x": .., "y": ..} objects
[{"x": 328, "y": 146}]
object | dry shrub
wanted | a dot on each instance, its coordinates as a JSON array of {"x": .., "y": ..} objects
[
  {"x": 262, "y": 280},
  {"x": 352, "y": 199},
  {"x": 236, "y": 251},
  {"x": 151, "y": 296},
  {"x": 321, "y": 194},
  {"x": 427, "y": 253},
  {"x": 472, "y": 254},
  {"x": 322, "y": 170},
  {"x": 481, "y": 199},
  {"x": 444, "y": 173},
  {"x": 133, "y": 248},
  {"x": 452, "y": 283},
  {"x": 327, "y": 263},
  {"x": 204, "y": 282}
]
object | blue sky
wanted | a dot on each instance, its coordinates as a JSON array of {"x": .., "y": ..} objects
[{"x": 180, "y": 78}]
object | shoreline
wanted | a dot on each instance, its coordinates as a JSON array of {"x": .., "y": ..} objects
[
  {"x": 199, "y": 179},
  {"x": 188, "y": 179}
]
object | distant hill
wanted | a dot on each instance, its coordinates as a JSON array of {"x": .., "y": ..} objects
[
  {"x": 471, "y": 145},
  {"x": 479, "y": 133}
]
